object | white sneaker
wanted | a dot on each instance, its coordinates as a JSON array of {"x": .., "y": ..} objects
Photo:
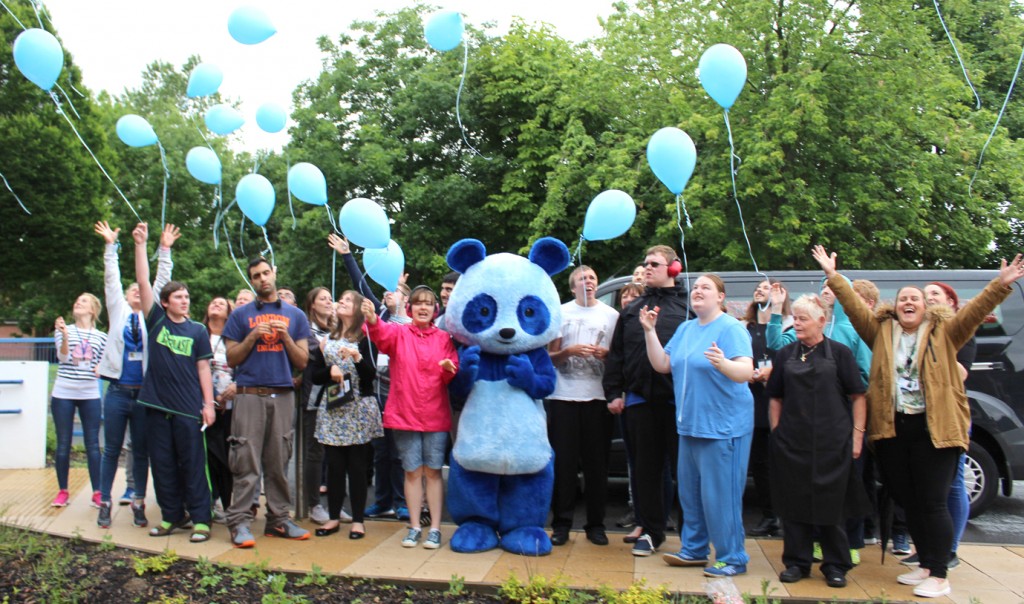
[
  {"x": 933, "y": 587},
  {"x": 318, "y": 514},
  {"x": 345, "y": 516},
  {"x": 914, "y": 577}
]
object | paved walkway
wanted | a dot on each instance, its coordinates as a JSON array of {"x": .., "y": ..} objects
[{"x": 989, "y": 574}]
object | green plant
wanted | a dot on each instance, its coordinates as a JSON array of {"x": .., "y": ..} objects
[
  {"x": 457, "y": 585},
  {"x": 278, "y": 595},
  {"x": 155, "y": 564},
  {"x": 209, "y": 578},
  {"x": 175, "y": 599},
  {"x": 315, "y": 577},
  {"x": 764, "y": 597},
  {"x": 107, "y": 543},
  {"x": 251, "y": 572},
  {"x": 640, "y": 593},
  {"x": 542, "y": 590}
]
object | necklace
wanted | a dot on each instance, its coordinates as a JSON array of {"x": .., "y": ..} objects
[{"x": 805, "y": 353}]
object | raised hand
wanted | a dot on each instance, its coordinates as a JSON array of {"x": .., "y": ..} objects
[
  {"x": 338, "y": 244},
  {"x": 778, "y": 296},
  {"x": 826, "y": 261},
  {"x": 648, "y": 318},
  {"x": 369, "y": 312},
  {"x": 1008, "y": 273},
  {"x": 60, "y": 326},
  {"x": 169, "y": 236},
  {"x": 141, "y": 233},
  {"x": 103, "y": 230}
]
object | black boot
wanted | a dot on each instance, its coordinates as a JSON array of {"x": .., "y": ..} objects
[{"x": 768, "y": 527}]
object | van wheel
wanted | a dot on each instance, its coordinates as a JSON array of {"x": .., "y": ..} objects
[{"x": 981, "y": 479}]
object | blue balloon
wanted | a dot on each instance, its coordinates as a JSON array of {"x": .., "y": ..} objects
[
  {"x": 385, "y": 265},
  {"x": 204, "y": 165},
  {"x": 307, "y": 182},
  {"x": 722, "y": 72},
  {"x": 609, "y": 215},
  {"x": 365, "y": 224},
  {"x": 444, "y": 30},
  {"x": 672, "y": 157},
  {"x": 223, "y": 119},
  {"x": 39, "y": 57},
  {"x": 250, "y": 25},
  {"x": 204, "y": 80},
  {"x": 270, "y": 117},
  {"x": 135, "y": 131},
  {"x": 255, "y": 197}
]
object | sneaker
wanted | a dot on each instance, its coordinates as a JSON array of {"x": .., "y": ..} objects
[
  {"x": 855, "y": 556},
  {"x": 628, "y": 520},
  {"x": 870, "y": 540},
  {"x": 933, "y": 587},
  {"x": 912, "y": 560},
  {"x": 424, "y": 517},
  {"x": 61, "y": 500},
  {"x": 402, "y": 512},
  {"x": 319, "y": 515},
  {"x": 103, "y": 520},
  {"x": 412, "y": 538},
  {"x": 378, "y": 511},
  {"x": 724, "y": 569},
  {"x": 433, "y": 539},
  {"x": 287, "y": 530},
  {"x": 954, "y": 562},
  {"x": 678, "y": 559},
  {"x": 644, "y": 546},
  {"x": 344, "y": 516},
  {"x": 816, "y": 554},
  {"x": 127, "y": 498},
  {"x": 914, "y": 577},
  {"x": 139, "y": 514},
  {"x": 901, "y": 544},
  {"x": 242, "y": 537},
  {"x": 97, "y": 500},
  {"x": 219, "y": 517}
]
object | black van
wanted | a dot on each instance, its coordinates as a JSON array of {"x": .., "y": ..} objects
[{"x": 995, "y": 385}]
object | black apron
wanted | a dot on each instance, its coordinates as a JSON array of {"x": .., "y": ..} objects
[{"x": 812, "y": 474}]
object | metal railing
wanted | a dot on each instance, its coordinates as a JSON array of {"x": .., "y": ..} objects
[{"x": 28, "y": 349}]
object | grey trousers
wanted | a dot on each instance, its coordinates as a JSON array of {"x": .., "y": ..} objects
[{"x": 261, "y": 437}]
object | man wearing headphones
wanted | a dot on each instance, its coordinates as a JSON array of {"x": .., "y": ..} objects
[{"x": 645, "y": 397}]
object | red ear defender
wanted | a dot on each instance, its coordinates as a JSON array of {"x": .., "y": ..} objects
[{"x": 674, "y": 268}]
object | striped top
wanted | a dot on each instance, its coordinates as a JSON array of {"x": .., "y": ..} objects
[{"x": 76, "y": 377}]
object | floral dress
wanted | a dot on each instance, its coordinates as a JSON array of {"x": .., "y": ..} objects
[{"x": 353, "y": 423}]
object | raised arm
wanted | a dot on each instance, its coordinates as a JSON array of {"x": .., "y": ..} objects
[
  {"x": 164, "y": 264},
  {"x": 655, "y": 351},
  {"x": 141, "y": 235},
  {"x": 340, "y": 245},
  {"x": 862, "y": 317},
  {"x": 113, "y": 292}
]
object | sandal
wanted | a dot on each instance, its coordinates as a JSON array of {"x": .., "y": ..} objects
[
  {"x": 166, "y": 528},
  {"x": 200, "y": 534}
]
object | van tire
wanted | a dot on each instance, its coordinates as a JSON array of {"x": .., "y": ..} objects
[{"x": 981, "y": 477}]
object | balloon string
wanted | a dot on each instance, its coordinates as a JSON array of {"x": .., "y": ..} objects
[
  {"x": 288, "y": 165},
  {"x": 241, "y": 234},
  {"x": 167, "y": 176},
  {"x": 680, "y": 203},
  {"x": 732, "y": 174},
  {"x": 77, "y": 91},
  {"x": 60, "y": 111},
  {"x": 219, "y": 216},
  {"x": 68, "y": 99},
  {"x": 330, "y": 218},
  {"x": 227, "y": 237},
  {"x": 35, "y": 7},
  {"x": 334, "y": 272},
  {"x": 16, "y": 19},
  {"x": 18, "y": 199},
  {"x": 963, "y": 67},
  {"x": 578, "y": 253},
  {"x": 270, "y": 248},
  {"x": 996, "y": 125},
  {"x": 458, "y": 99}
]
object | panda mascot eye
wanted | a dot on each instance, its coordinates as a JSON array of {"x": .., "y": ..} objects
[
  {"x": 480, "y": 313},
  {"x": 533, "y": 315}
]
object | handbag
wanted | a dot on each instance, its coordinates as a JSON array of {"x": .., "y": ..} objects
[{"x": 339, "y": 394}]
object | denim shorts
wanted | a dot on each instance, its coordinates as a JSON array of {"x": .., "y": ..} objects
[{"x": 421, "y": 449}]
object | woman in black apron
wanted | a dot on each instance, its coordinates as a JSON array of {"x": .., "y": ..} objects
[{"x": 817, "y": 413}]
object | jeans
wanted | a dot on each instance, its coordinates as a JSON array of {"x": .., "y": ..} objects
[
  {"x": 959, "y": 503},
  {"x": 89, "y": 412},
  {"x": 121, "y": 411}
]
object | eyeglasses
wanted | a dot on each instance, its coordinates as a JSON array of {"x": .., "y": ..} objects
[{"x": 653, "y": 264}]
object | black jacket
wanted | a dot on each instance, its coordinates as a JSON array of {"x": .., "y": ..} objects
[{"x": 627, "y": 368}]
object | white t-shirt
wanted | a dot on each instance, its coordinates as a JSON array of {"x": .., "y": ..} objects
[{"x": 579, "y": 378}]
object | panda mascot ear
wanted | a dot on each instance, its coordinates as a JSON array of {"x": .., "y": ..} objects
[
  {"x": 465, "y": 253},
  {"x": 550, "y": 254}
]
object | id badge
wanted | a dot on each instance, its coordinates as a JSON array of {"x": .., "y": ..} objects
[
  {"x": 134, "y": 356},
  {"x": 764, "y": 364},
  {"x": 908, "y": 384}
]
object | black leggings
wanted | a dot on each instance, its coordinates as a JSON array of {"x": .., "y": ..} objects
[
  {"x": 351, "y": 461},
  {"x": 918, "y": 476}
]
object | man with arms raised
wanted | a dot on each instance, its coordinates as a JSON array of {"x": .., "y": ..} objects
[{"x": 266, "y": 342}]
